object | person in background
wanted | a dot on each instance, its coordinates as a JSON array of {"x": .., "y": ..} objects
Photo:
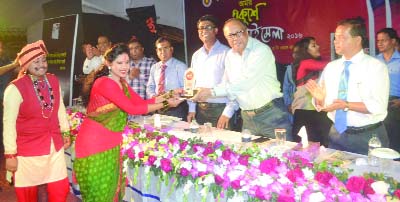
[
  {"x": 356, "y": 105},
  {"x": 167, "y": 76},
  {"x": 98, "y": 162},
  {"x": 386, "y": 43},
  {"x": 139, "y": 71},
  {"x": 92, "y": 61},
  {"x": 288, "y": 89},
  {"x": 103, "y": 44},
  {"x": 208, "y": 66},
  {"x": 307, "y": 65},
  {"x": 250, "y": 79},
  {"x": 36, "y": 129}
]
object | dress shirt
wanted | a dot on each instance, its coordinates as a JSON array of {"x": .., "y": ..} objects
[
  {"x": 208, "y": 70},
  {"x": 91, "y": 64},
  {"x": 139, "y": 84},
  {"x": 173, "y": 76},
  {"x": 368, "y": 83},
  {"x": 250, "y": 78},
  {"x": 394, "y": 72}
]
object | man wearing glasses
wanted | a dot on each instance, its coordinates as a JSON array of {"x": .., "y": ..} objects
[
  {"x": 208, "y": 66},
  {"x": 250, "y": 79},
  {"x": 167, "y": 75}
]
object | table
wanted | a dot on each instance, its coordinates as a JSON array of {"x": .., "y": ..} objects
[{"x": 156, "y": 191}]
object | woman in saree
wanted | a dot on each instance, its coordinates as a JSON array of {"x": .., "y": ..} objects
[{"x": 98, "y": 162}]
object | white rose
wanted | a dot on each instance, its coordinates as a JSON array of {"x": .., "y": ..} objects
[{"x": 380, "y": 187}]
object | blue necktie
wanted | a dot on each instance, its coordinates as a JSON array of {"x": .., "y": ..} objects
[{"x": 341, "y": 116}]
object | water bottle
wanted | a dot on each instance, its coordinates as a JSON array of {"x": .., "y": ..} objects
[
  {"x": 373, "y": 143},
  {"x": 194, "y": 126}
]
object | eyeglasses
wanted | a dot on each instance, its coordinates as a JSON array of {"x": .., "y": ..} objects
[
  {"x": 166, "y": 48},
  {"x": 238, "y": 34},
  {"x": 207, "y": 27}
]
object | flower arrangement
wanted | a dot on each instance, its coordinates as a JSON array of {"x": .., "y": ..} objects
[
  {"x": 245, "y": 174},
  {"x": 75, "y": 119}
]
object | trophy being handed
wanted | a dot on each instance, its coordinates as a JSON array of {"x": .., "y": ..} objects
[{"x": 189, "y": 82}]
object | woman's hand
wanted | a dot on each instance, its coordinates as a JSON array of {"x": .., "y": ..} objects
[{"x": 11, "y": 164}]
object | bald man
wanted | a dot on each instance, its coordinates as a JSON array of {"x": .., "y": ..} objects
[{"x": 250, "y": 79}]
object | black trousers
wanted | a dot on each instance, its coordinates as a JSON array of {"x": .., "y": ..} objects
[{"x": 317, "y": 125}]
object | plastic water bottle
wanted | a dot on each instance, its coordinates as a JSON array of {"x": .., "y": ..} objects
[
  {"x": 373, "y": 143},
  {"x": 194, "y": 126}
]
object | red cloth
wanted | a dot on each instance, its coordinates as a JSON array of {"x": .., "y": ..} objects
[
  {"x": 57, "y": 192},
  {"x": 161, "y": 82},
  {"x": 308, "y": 66},
  {"x": 34, "y": 132},
  {"x": 94, "y": 137}
]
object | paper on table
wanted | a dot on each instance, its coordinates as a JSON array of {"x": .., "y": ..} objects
[{"x": 304, "y": 138}]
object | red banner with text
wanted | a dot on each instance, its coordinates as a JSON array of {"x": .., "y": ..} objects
[{"x": 278, "y": 23}]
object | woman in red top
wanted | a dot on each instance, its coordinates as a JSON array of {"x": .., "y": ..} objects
[
  {"x": 98, "y": 162},
  {"x": 307, "y": 65}
]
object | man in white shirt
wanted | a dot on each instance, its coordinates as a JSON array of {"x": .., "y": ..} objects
[
  {"x": 208, "y": 66},
  {"x": 365, "y": 83},
  {"x": 92, "y": 62},
  {"x": 250, "y": 79}
]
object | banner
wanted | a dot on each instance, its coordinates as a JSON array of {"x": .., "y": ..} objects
[
  {"x": 278, "y": 23},
  {"x": 58, "y": 35}
]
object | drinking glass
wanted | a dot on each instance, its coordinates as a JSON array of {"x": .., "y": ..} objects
[{"x": 280, "y": 136}]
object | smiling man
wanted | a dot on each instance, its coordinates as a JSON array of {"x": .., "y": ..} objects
[
  {"x": 208, "y": 64},
  {"x": 356, "y": 105},
  {"x": 250, "y": 79}
]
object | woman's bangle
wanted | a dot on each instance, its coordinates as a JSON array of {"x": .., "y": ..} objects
[
  {"x": 10, "y": 156},
  {"x": 168, "y": 95},
  {"x": 165, "y": 105},
  {"x": 66, "y": 134}
]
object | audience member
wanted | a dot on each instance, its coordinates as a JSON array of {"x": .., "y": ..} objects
[
  {"x": 36, "y": 128},
  {"x": 386, "y": 43},
  {"x": 139, "y": 71},
  {"x": 308, "y": 65},
  {"x": 166, "y": 76},
  {"x": 98, "y": 162},
  {"x": 354, "y": 90},
  {"x": 92, "y": 62},
  {"x": 103, "y": 44},
  {"x": 250, "y": 79},
  {"x": 208, "y": 66}
]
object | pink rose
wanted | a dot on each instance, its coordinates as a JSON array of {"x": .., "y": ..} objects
[
  {"x": 226, "y": 154},
  {"x": 173, "y": 140},
  {"x": 397, "y": 193},
  {"x": 141, "y": 154},
  {"x": 183, "y": 145},
  {"x": 294, "y": 174},
  {"x": 367, "y": 187},
  {"x": 323, "y": 177},
  {"x": 208, "y": 150},
  {"x": 151, "y": 160},
  {"x": 218, "y": 179},
  {"x": 267, "y": 166},
  {"x": 244, "y": 160},
  {"x": 131, "y": 153},
  {"x": 166, "y": 165},
  {"x": 283, "y": 198},
  {"x": 184, "y": 172},
  {"x": 355, "y": 184},
  {"x": 235, "y": 184}
]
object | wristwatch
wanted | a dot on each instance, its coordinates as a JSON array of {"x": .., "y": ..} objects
[{"x": 346, "y": 108}]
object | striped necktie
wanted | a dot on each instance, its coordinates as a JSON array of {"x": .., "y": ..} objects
[
  {"x": 161, "y": 82},
  {"x": 341, "y": 115}
]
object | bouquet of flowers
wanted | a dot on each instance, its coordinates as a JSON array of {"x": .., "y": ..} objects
[
  {"x": 245, "y": 174},
  {"x": 75, "y": 119}
]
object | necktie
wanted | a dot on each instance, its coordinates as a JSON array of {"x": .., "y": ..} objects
[
  {"x": 161, "y": 82},
  {"x": 341, "y": 116}
]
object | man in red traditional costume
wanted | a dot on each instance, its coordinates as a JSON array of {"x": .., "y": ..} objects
[{"x": 36, "y": 129}]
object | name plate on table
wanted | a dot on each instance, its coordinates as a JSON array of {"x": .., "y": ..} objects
[{"x": 189, "y": 82}]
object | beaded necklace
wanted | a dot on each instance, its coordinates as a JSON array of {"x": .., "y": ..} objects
[{"x": 44, "y": 105}]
